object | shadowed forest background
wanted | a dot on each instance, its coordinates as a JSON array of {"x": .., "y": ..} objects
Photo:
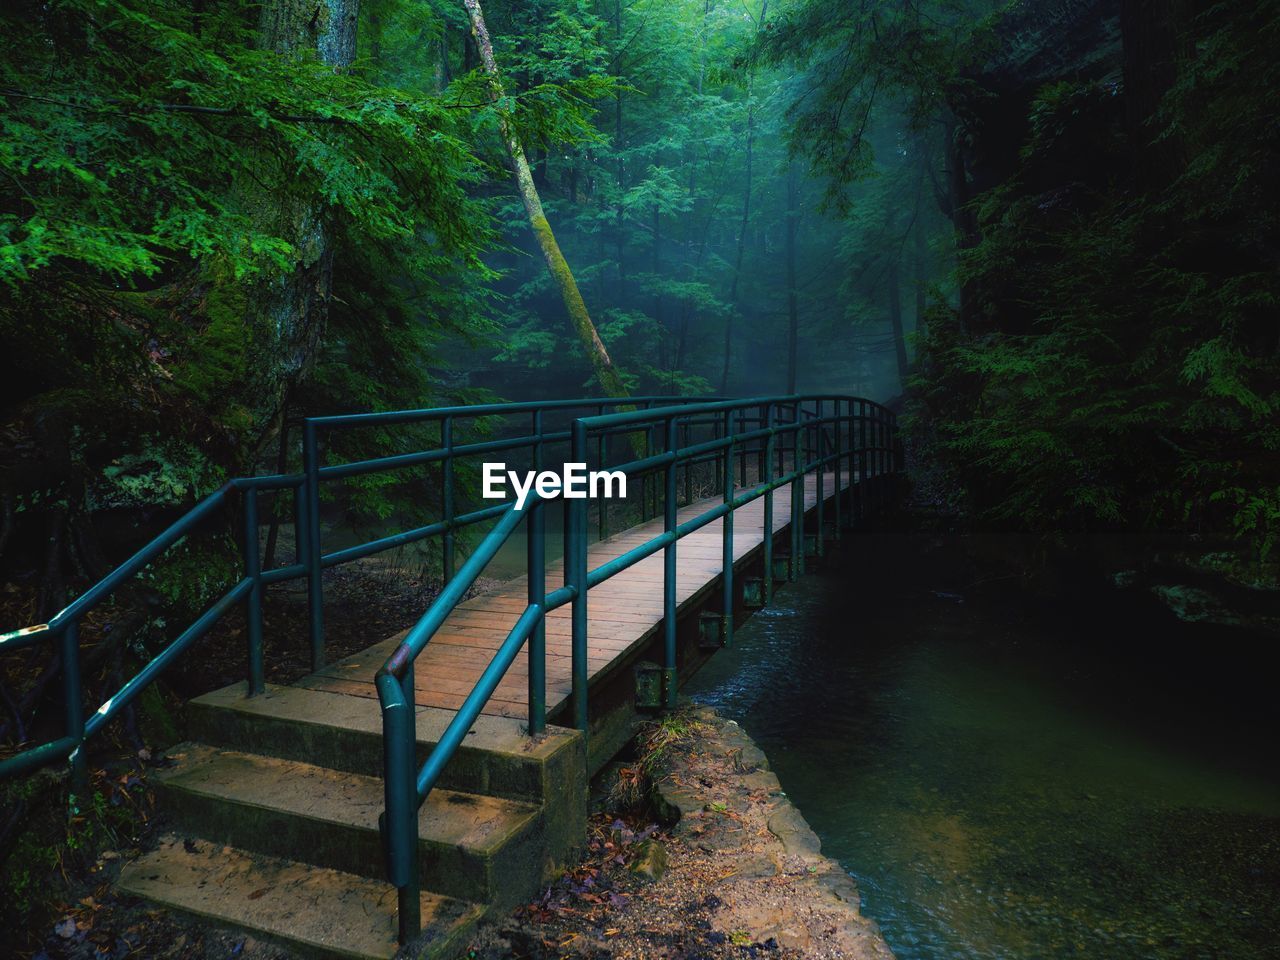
[
  {"x": 1049, "y": 228},
  {"x": 1046, "y": 232}
]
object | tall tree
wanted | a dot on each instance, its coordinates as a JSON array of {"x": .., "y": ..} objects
[
  {"x": 579, "y": 319},
  {"x": 893, "y": 289},
  {"x": 793, "y": 306},
  {"x": 286, "y": 313},
  {"x": 746, "y": 208}
]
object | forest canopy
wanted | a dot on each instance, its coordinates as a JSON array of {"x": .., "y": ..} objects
[{"x": 1048, "y": 231}]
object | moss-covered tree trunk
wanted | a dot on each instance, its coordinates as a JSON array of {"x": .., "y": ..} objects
[
  {"x": 579, "y": 319},
  {"x": 793, "y": 303},
  {"x": 286, "y": 313}
]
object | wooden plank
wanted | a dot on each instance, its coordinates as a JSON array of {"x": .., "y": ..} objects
[{"x": 623, "y": 612}]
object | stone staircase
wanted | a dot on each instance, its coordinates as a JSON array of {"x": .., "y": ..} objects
[{"x": 274, "y": 805}]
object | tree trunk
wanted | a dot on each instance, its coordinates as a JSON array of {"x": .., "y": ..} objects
[
  {"x": 659, "y": 318},
  {"x": 895, "y": 321},
  {"x": 619, "y": 234},
  {"x": 742, "y": 243},
  {"x": 579, "y": 319},
  {"x": 286, "y": 314},
  {"x": 793, "y": 303},
  {"x": 746, "y": 217},
  {"x": 963, "y": 220},
  {"x": 440, "y": 74},
  {"x": 922, "y": 283},
  {"x": 922, "y": 267}
]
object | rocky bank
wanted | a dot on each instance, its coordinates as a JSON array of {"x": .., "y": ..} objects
[{"x": 724, "y": 865}]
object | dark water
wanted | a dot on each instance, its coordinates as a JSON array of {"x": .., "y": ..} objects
[{"x": 1008, "y": 780}]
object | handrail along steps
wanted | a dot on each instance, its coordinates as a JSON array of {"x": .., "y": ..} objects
[{"x": 859, "y": 432}]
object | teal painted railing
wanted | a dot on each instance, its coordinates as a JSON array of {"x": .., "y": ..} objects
[
  {"x": 63, "y": 630},
  {"x": 786, "y": 437},
  {"x": 855, "y": 436}
]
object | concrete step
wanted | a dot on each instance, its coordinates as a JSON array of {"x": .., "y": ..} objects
[
  {"x": 481, "y": 849},
  {"x": 319, "y": 912},
  {"x": 344, "y": 732}
]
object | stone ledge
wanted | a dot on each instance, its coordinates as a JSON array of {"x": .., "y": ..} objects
[{"x": 777, "y": 885}]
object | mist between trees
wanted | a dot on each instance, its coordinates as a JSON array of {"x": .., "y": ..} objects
[{"x": 1047, "y": 227}]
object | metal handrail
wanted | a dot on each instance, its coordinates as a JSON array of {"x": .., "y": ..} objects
[
  {"x": 871, "y": 449},
  {"x": 855, "y": 430},
  {"x": 309, "y": 563}
]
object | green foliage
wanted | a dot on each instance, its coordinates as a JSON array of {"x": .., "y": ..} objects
[
  {"x": 1124, "y": 371},
  {"x": 57, "y": 835},
  {"x": 859, "y": 59},
  {"x": 167, "y": 176},
  {"x": 90, "y": 197},
  {"x": 647, "y": 208},
  {"x": 164, "y": 471},
  {"x": 379, "y": 355},
  {"x": 187, "y": 578},
  {"x": 163, "y": 170}
]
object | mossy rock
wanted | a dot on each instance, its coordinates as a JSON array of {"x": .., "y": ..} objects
[{"x": 650, "y": 861}]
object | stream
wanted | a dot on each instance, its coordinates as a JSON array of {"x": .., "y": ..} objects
[{"x": 1008, "y": 778}]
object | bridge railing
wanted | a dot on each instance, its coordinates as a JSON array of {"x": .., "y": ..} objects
[
  {"x": 64, "y": 628},
  {"x": 855, "y": 436},
  {"x": 241, "y": 496},
  {"x": 783, "y": 437}
]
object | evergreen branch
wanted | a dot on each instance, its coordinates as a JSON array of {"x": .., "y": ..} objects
[{"x": 146, "y": 108}]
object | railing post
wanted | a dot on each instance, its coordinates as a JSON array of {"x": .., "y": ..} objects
[
  {"x": 718, "y": 463},
  {"x": 873, "y": 461},
  {"x": 73, "y": 707},
  {"x": 883, "y": 460},
  {"x": 797, "y": 494},
  {"x": 315, "y": 581},
  {"x": 449, "y": 545},
  {"x": 253, "y": 602},
  {"x": 300, "y": 526},
  {"x": 761, "y": 446},
  {"x": 781, "y": 448},
  {"x": 537, "y": 443},
  {"x": 880, "y": 458},
  {"x": 801, "y": 462},
  {"x": 837, "y": 424},
  {"x": 576, "y": 577},
  {"x": 645, "y": 512},
  {"x": 602, "y": 506},
  {"x": 670, "y": 573},
  {"x": 899, "y": 451},
  {"x": 686, "y": 432},
  {"x": 899, "y": 460},
  {"x": 851, "y": 464},
  {"x": 726, "y": 551},
  {"x": 768, "y": 504},
  {"x": 820, "y": 459},
  {"x": 400, "y": 817},
  {"x": 864, "y": 480},
  {"x": 537, "y": 554},
  {"x": 742, "y": 450}
]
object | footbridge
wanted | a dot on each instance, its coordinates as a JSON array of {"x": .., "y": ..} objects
[{"x": 398, "y": 795}]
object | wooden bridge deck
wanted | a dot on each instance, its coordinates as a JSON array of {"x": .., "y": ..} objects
[{"x": 624, "y": 612}]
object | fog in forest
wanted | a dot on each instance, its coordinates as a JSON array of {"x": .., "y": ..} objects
[{"x": 712, "y": 256}]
